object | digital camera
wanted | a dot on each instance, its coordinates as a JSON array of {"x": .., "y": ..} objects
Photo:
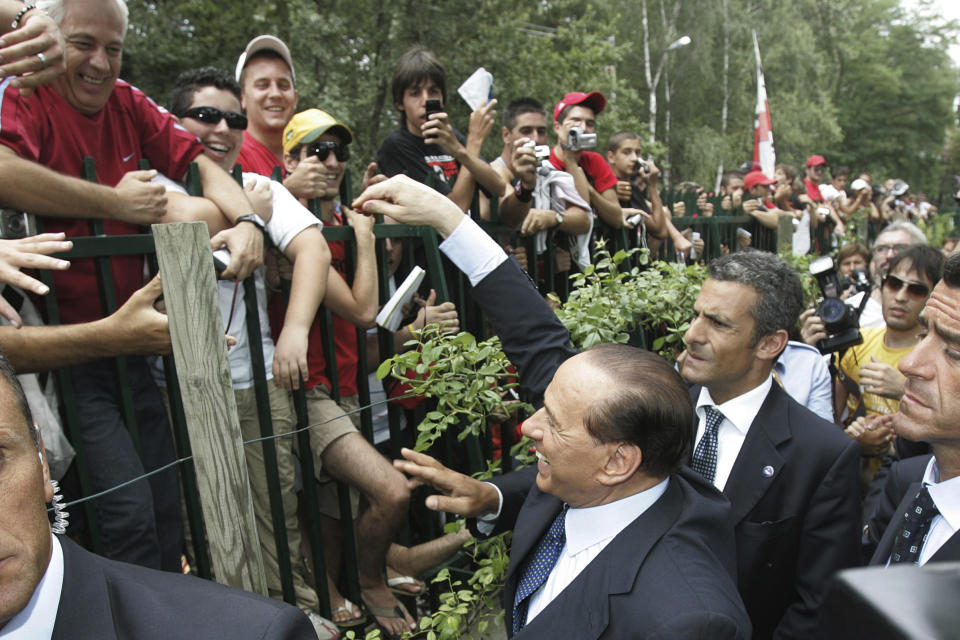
[
  {"x": 577, "y": 140},
  {"x": 841, "y": 321}
]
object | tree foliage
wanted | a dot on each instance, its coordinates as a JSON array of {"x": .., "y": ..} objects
[{"x": 859, "y": 81}]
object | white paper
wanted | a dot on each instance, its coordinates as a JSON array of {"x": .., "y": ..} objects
[{"x": 477, "y": 89}]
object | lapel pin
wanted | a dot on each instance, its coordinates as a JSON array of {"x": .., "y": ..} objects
[{"x": 767, "y": 471}]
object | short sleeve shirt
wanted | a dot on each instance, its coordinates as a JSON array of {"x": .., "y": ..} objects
[
  {"x": 403, "y": 152},
  {"x": 47, "y": 130},
  {"x": 256, "y": 158},
  {"x": 598, "y": 172}
]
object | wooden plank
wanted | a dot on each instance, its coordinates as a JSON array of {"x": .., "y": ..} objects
[
  {"x": 784, "y": 233},
  {"x": 199, "y": 349}
]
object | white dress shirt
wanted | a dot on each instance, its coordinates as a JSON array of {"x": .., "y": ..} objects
[
  {"x": 738, "y": 415},
  {"x": 474, "y": 252},
  {"x": 946, "y": 495},
  {"x": 36, "y": 620},
  {"x": 589, "y": 531}
]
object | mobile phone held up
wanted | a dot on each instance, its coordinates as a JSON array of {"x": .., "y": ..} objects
[{"x": 434, "y": 106}]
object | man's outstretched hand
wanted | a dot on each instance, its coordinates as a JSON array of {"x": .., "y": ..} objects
[
  {"x": 409, "y": 202},
  {"x": 462, "y": 494}
]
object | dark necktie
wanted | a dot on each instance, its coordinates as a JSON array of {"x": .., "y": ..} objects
[
  {"x": 914, "y": 528},
  {"x": 540, "y": 565},
  {"x": 704, "y": 459}
]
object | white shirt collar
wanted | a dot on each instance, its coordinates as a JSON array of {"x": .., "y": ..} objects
[
  {"x": 739, "y": 411},
  {"x": 946, "y": 494},
  {"x": 592, "y": 525},
  {"x": 37, "y": 619}
]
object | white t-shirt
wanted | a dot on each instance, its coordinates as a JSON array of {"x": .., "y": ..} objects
[{"x": 288, "y": 220}]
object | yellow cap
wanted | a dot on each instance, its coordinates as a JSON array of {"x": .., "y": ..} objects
[{"x": 307, "y": 126}]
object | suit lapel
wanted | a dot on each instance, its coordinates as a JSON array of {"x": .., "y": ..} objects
[
  {"x": 949, "y": 551},
  {"x": 885, "y": 548},
  {"x": 582, "y": 610},
  {"x": 759, "y": 462},
  {"x": 84, "y": 612}
]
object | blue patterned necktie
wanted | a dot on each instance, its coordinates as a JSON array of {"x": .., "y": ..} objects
[
  {"x": 914, "y": 528},
  {"x": 704, "y": 459},
  {"x": 539, "y": 566}
]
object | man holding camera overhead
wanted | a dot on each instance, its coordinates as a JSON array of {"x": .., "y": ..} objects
[{"x": 574, "y": 121}]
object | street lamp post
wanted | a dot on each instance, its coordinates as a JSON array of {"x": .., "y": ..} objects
[{"x": 680, "y": 42}]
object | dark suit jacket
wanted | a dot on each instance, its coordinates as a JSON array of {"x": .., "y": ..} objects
[
  {"x": 796, "y": 528},
  {"x": 107, "y": 600},
  {"x": 666, "y": 575},
  {"x": 669, "y": 573},
  {"x": 903, "y": 481}
]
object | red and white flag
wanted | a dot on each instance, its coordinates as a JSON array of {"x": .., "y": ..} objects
[{"x": 763, "y": 152}]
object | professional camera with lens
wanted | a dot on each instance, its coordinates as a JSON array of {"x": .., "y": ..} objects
[
  {"x": 577, "y": 140},
  {"x": 842, "y": 322}
]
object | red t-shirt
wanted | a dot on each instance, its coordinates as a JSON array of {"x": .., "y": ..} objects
[
  {"x": 47, "y": 130},
  {"x": 813, "y": 190},
  {"x": 256, "y": 158},
  {"x": 344, "y": 334},
  {"x": 598, "y": 171}
]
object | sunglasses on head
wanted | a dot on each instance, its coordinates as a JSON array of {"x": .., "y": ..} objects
[
  {"x": 212, "y": 115},
  {"x": 322, "y": 151},
  {"x": 915, "y": 289}
]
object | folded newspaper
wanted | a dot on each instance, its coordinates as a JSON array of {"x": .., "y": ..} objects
[{"x": 391, "y": 315}]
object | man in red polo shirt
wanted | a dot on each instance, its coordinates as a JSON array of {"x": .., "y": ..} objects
[
  {"x": 593, "y": 177},
  {"x": 269, "y": 98},
  {"x": 88, "y": 112}
]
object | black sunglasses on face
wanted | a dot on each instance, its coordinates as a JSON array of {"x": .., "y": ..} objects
[
  {"x": 212, "y": 115},
  {"x": 322, "y": 151},
  {"x": 915, "y": 289}
]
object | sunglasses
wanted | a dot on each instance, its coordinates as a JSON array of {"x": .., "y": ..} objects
[
  {"x": 915, "y": 289},
  {"x": 322, "y": 151},
  {"x": 212, "y": 115},
  {"x": 888, "y": 248}
]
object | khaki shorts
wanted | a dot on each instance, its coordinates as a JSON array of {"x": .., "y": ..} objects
[{"x": 331, "y": 424}]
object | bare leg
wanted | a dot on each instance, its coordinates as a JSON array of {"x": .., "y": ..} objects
[{"x": 353, "y": 460}]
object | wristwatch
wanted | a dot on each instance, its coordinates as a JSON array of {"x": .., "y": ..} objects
[
  {"x": 559, "y": 218},
  {"x": 253, "y": 219}
]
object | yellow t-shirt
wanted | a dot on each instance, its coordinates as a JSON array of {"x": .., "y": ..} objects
[{"x": 859, "y": 355}]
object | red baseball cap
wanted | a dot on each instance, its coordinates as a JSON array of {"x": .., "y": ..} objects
[
  {"x": 816, "y": 161},
  {"x": 754, "y": 178},
  {"x": 594, "y": 100}
]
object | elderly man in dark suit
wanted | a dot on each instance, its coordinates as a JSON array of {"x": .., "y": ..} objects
[
  {"x": 917, "y": 516},
  {"x": 790, "y": 476},
  {"x": 611, "y": 539},
  {"x": 51, "y": 588}
]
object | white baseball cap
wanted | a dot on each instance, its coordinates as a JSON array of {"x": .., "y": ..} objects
[{"x": 265, "y": 43}]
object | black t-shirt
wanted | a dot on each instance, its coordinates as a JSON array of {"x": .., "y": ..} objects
[
  {"x": 403, "y": 152},
  {"x": 638, "y": 199}
]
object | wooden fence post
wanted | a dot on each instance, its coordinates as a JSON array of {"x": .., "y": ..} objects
[
  {"x": 784, "y": 233},
  {"x": 199, "y": 349}
]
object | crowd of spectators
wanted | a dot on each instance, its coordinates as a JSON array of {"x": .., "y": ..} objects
[{"x": 817, "y": 432}]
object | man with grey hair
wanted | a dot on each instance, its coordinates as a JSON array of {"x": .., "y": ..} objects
[
  {"x": 88, "y": 111},
  {"x": 790, "y": 476},
  {"x": 52, "y": 588}
]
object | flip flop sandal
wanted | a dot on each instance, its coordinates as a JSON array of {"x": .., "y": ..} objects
[
  {"x": 356, "y": 615},
  {"x": 395, "y": 585}
]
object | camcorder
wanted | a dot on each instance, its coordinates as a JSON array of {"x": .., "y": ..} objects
[
  {"x": 841, "y": 321},
  {"x": 15, "y": 224},
  {"x": 577, "y": 140},
  {"x": 641, "y": 166}
]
